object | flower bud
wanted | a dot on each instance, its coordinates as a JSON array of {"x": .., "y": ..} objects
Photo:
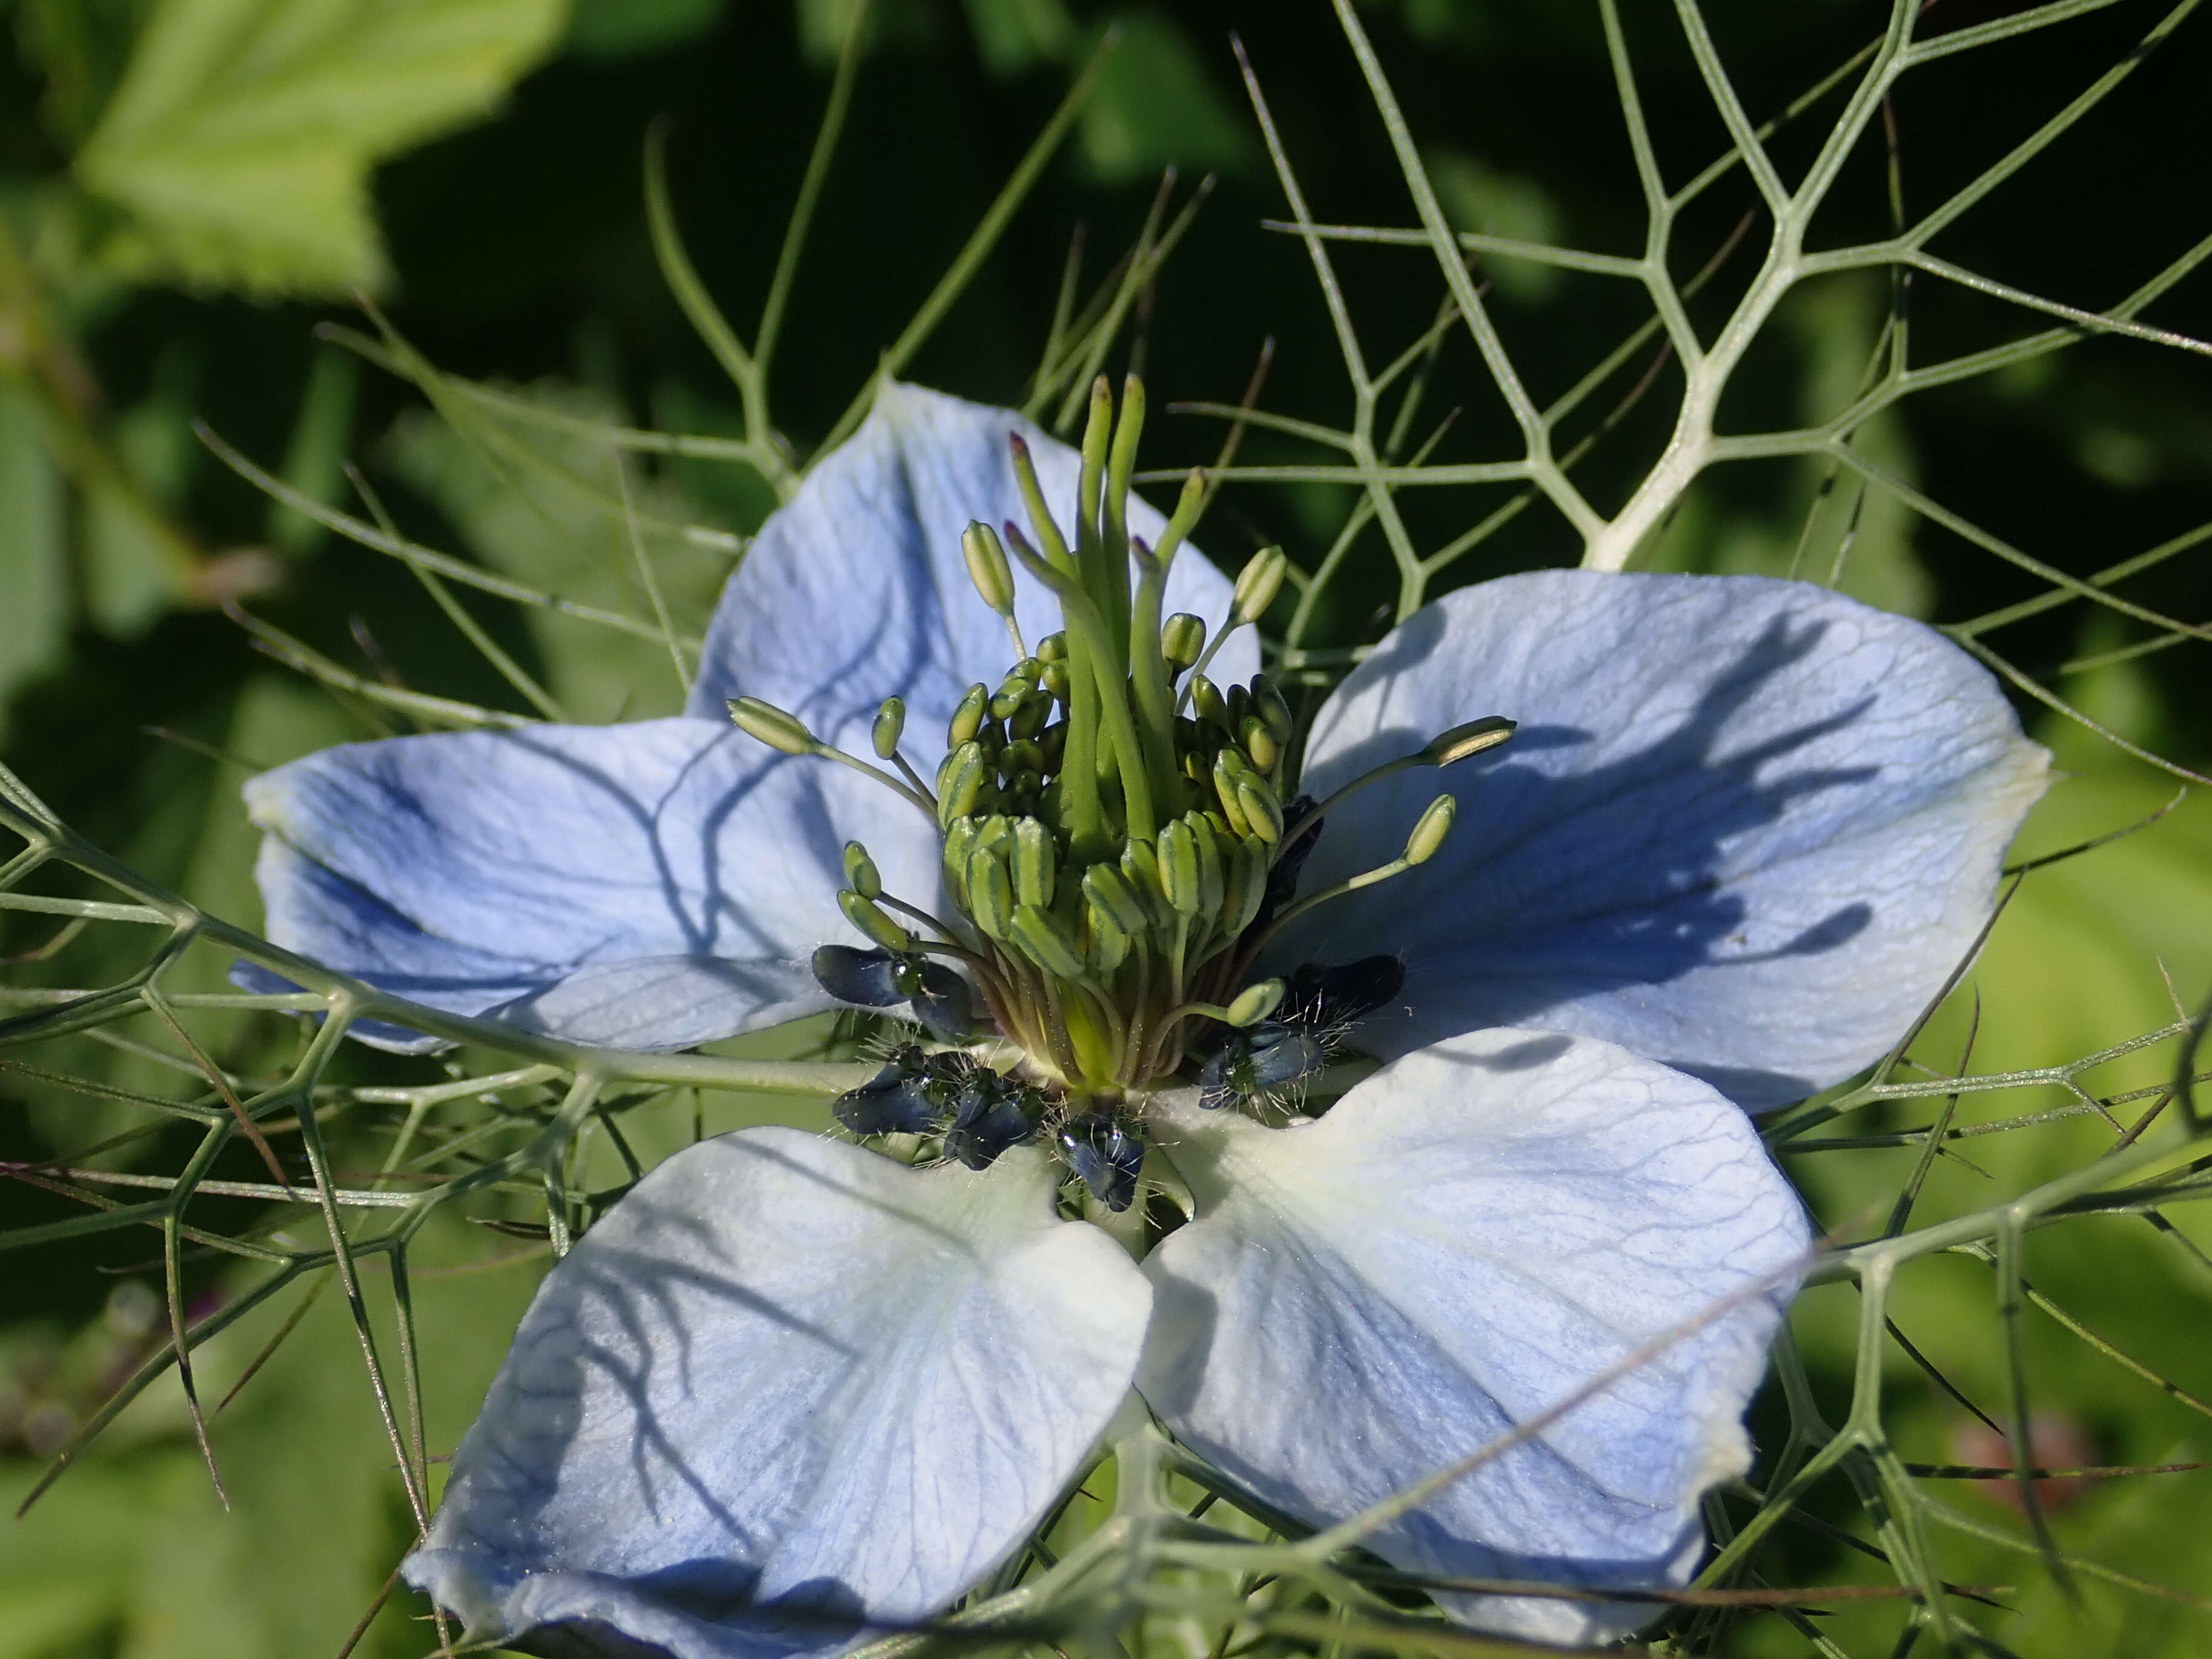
[
  {"x": 771, "y": 726},
  {"x": 1055, "y": 683},
  {"x": 1471, "y": 738},
  {"x": 889, "y": 727},
  {"x": 1258, "y": 583},
  {"x": 1428, "y": 834},
  {"x": 968, "y": 718},
  {"x": 1254, "y": 1003},
  {"x": 1267, "y": 702},
  {"x": 1182, "y": 641},
  {"x": 864, "y": 915},
  {"x": 861, "y": 874},
  {"x": 1052, "y": 648},
  {"x": 988, "y": 568}
]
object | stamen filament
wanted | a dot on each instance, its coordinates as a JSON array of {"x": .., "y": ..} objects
[
  {"x": 914, "y": 778},
  {"x": 1397, "y": 866},
  {"x": 946, "y": 932},
  {"x": 1306, "y": 825},
  {"x": 924, "y": 800},
  {"x": 1213, "y": 647}
]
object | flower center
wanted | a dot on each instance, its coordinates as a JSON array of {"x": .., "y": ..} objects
[{"x": 1117, "y": 848}]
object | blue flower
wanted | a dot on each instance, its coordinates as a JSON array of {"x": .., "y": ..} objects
[{"x": 790, "y": 1386}]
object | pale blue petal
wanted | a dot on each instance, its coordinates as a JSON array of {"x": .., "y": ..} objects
[
  {"x": 1746, "y": 827},
  {"x": 857, "y": 590},
  {"x": 647, "y": 886},
  {"x": 1466, "y": 1239},
  {"x": 785, "y": 1388}
]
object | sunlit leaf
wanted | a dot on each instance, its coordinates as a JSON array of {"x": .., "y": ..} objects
[
  {"x": 34, "y": 570},
  {"x": 242, "y": 134}
]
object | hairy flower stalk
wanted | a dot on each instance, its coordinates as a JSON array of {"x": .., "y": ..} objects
[{"x": 1114, "y": 864}]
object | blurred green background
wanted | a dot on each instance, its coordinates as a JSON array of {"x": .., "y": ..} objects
[{"x": 188, "y": 188}]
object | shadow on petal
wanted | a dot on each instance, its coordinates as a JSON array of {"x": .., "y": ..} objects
[{"x": 1767, "y": 824}]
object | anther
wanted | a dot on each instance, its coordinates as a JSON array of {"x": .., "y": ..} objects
[
  {"x": 1178, "y": 867},
  {"x": 861, "y": 873},
  {"x": 1257, "y": 584},
  {"x": 1206, "y": 700},
  {"x": 1429, "y": 833},
  {"x": 771, "y": 726},
  {"x": 864, "y": 915},
  {"x": 968, "y": 718},
  {"x": 992, "y": 576},
  {"x": 1182, "y": 641},
  {"x": 767, "y": 724},
  {"x": 1110, "y": 895},
  {"x": 891, "y": 726},
  {"x": 1471, "y": 738},
  {"x": 1040, "y": 937},
  {"x": 1109, "y": 944},
  {"x": 1224, "y": 787},
  {"x": 1033, "y": 862},
  {"x": 990, "y": 892},
  {"x": 1261, "y": 745},
  {"x": 1260, "y": 810},
  {"x": 1254, "y": 1003},
  {"x": 960, "y": 782}
]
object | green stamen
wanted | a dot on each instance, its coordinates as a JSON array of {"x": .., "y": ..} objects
[{"x": 1106, "y": 856}]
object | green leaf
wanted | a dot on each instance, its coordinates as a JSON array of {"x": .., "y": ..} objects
[
  {"x": 242, "y": 136},
  {"x": 608, "y": 30},
  {"x": 1014, "y": 35},
  {"x": 33, "y": 555},
  {"x": 1478, "y": 197},
  {"x": 1158, "y": 104}
]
